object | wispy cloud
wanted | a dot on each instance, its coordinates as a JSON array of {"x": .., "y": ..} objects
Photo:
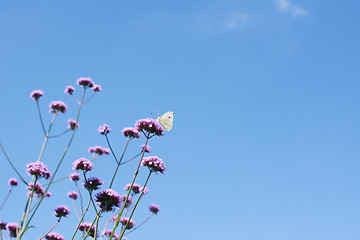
[
  {"x": 295, "y": 10},
  {"x": 236, "y": 21}
]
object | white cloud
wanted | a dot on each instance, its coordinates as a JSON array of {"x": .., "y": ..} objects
[
  {"x": 235, "y": 21},
  {"x": 295, "y": 10}
]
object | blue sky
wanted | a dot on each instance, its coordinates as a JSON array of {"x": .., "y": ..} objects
[{"x": 265, "y": 144}]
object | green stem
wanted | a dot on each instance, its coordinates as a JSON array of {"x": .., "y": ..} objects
[
  {"x": 49, "y": 230},
  {"x": 41, "y": 120},
  {"x": 147, "y": 219},
  {"x": 6, "y": 198},
  {"x": 82, "y": 217},
  {"x": 131, "y": 158},
  {"x": 132, "y": 212},
  {"x": 131, "y": 185},
  {"x": 118, "y": 165}
]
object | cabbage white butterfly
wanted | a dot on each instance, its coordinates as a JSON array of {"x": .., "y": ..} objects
[{"x": 166, "y": 120}]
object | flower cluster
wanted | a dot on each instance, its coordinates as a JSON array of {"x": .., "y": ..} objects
[
  {"x": 36, "y": 94},
  {"x": 72, "y": 124},
  {"x": 2, "y": 225},
  {"x": 93, "y": 183},
  {"x": 125, "y": 220},
  {"x": 38, "y": 189},
  {"x": 13, "y": 182},
  {"x": 38, "y": 169},
  {"x": 128, "y": 201},
  {"x": 54, "y": 236},
  {"x": 57, "y": 106},
  {"x": 96, "y": 88},
  {"x": 135, "y": 188},
  {"x": 99, "y": 150},
  {"x": 73, "y": 195},
  {"x": 74, "y": 177},
  {"x": 149, "y": 125},
  {"x": 154, "y": 163},
  {"x": 147, "y": 148},
  {"x": 69, "y": 90},
  {"x": 154, "y": 208},
  {"x": 108, "y": 199},
  {"x": 61, "y": 211},
  {"x": 83, "y": 164},
  {"x": 144, "y": 190},
  {"x": 104, "y": 129},
  {"x": 84, "y": 227},
  {"x": 12, "y": 228},
  {"x": 85, "y": 82},
  {"x": 109, "y": 232},
  {"x": 131, "y": 132}
]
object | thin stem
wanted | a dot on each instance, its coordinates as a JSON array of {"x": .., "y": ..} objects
[
  {"x": 22, "y": 179},
  {"x": 62, "y": 158},
  {"x": 28, "y": 208},
  {"x": 82, "y": 217},
  {"x": 41, "y": 120},
  {"x": 147, "y": 219},
  {"x": 77, "y": 214},
  {"x": 138, "y": 200},
  {"x": 106, "y": 225},
  {"x": 92, "y": 224},
  {"x": 90, "y": 98},
  {"x": 75, "y": 99},
  {"x": 81, "y": 199},
  {"x": 127, "y": 196},
  {"x": 50, "y": 230},
  {"x": 108, "y": 142},
  {"x": 118, "y": 165},
  {"x": 57, "y": 180},
  {"x": 47, "y": 137},
  {"x": 59, "y": 135},
  {"x": 6, "y": 198},
  {"x": 131, "y": 158}
]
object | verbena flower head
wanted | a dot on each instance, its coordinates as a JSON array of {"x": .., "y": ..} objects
[
  {"x": 109, "y": 232},
  {"x": 85, "y": 82},
  {"x": 73, "y": 195},
  {"x": 61, "y": 211},
  {"x": 149, "y": 125},
  {"x": 38, "y": 169},
  {"x": 84, "y": 227},
  {"x": 104, "y": 129},
  {"x": 131, "y": 132},
  {"x": 93, "y": 183},
  {"x": 38, "y": 189},
  {"x": 96, "y": 88},
  {"x": 72, "y": 124},
  {"x": 99, "y": 150},
  {"x": 54, "y": 236},
  {"x": 13, "y": 182},
  {"x": 147, "y": 148},
  {"x": 36, "y": 94},
  {"x": 128, "y": 202},
  {"x": 74, "y": 177},
  {"x": 107, "y": 199},
  {"x": 154, "y": 208},
  {"x": 154, "y": 163},
  {"x": 114, "y": 218},
  {"x": 57, "y": 106},
  {"x": 69, "y": 90},
  {"x": 83, "y": 164},
  {"x": 125, "y": 220},
  {"x": 48, "y": 194},
  {"x": 2, "y": 225},
  {"x": 144, "y": 190},
  {"x": 135, "y": 188},
  {"x": 12, "y": 229}
]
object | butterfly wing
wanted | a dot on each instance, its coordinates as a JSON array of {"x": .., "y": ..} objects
[{"x": 166, "y": 120}]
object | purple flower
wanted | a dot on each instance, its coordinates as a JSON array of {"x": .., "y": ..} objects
[
  {"x": 2, "y": 225},
  {"x": 54, "y": 236},
  {"x": 48, "y": 194},
  {"x": 72, "y": 124},
  {"x": 135, "y": 188},
  {"x": 154, "y": 164},
  {"x": 61, "y": 211},
  {"x": 73, "y": 195},
  {"x": 109, "y": 232},
  {"x": 85, "y": 82},
  {"x": 154, "y": 208},
  {"x": 57, "y": 106},
  {"x": 104, "y": 129},
  {"x": 93, "y": 183},
  {"x": 147, "y": 148},
  {"x": 38, "y": 189},
  {"x": 36, "y": 94},
  {"x": 96, "y": 88},
  {"x": 99, "y": 150},
  {"x": 130, "y": 132},
  {"x": 12, "y": 229},
  {"x": 84, "y": 227},
  {"x": 125, "y": 220},
  {"x": 107, "y": 199},
  {"x": 114, "y": 218},
  {"x": 13, "y": 182},
  {"x": 83, "y": 164},
  {"x": 128, "y": 202},
  {"x": 69, "y": 90},
  {"x": 74, "y": 177},
  {"x": 144, "y": 190},
  {"x": 149, "y": 125},
  {"x": 38, "y": 169}
]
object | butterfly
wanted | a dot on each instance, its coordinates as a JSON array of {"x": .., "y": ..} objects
[{"x": 166, "y": 120}]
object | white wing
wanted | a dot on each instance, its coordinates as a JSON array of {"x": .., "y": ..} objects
[{"x": 166, "y": 120}]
